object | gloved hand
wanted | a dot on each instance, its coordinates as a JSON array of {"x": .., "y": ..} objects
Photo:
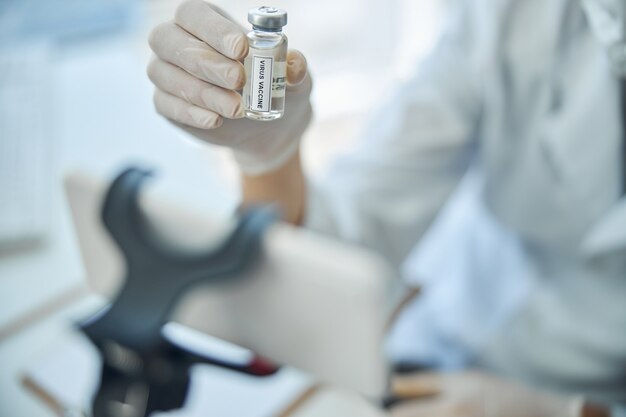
[
  {"x": 197, "y": 70},
  {"x": 476, "y": 394}
]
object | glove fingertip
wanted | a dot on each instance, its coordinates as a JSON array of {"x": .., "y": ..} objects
[
  {"x": 296, "y": 67},
  {"x": 237, "y": 46}
]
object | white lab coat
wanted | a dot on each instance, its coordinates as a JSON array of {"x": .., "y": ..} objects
[{"x": 527, "y": 275}]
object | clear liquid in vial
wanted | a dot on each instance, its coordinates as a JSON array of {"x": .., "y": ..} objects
[{"x": 266, "y": 75}]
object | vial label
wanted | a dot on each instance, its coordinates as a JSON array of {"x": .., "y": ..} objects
[
  {"x": 261, "y": 87},
  {"x": 279, "y": 81}
]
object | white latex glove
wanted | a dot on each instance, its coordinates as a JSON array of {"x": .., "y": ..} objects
[
  {"x": 197, "y": 70},
  {"x": 476, "y": 394}
]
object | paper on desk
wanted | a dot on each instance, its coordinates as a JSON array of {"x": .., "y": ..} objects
[{"x": 69, "y": 374}]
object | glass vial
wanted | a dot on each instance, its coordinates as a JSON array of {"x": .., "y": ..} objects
[{"x": 266, "y": 64}]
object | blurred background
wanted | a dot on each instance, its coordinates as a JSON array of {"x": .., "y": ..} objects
[{"x": 74, "y": 94}]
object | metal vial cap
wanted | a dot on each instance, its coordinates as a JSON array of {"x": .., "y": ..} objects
[{"x": 266, "y": 17}]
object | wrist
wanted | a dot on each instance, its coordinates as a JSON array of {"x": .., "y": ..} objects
[{"x": 283, "y": 186}]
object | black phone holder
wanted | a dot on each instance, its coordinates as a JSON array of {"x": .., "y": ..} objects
[{"x": 142, "y": 371}]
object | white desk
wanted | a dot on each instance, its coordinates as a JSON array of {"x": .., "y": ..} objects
[{"x": 17, "y": 352}]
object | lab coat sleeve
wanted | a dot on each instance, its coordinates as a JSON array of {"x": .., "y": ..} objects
[{"x": 385, "y": 193}]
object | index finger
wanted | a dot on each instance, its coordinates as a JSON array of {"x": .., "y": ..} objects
[{"x": 201, "y": 20}]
